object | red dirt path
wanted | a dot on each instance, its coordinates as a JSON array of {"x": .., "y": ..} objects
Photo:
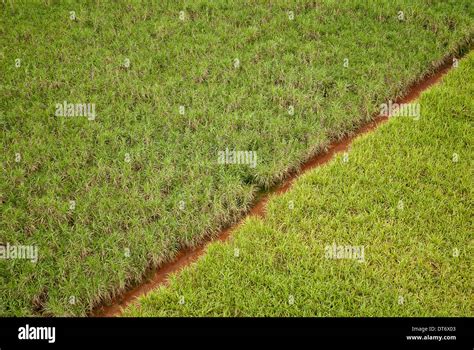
[{"x": 190, "y": 255}]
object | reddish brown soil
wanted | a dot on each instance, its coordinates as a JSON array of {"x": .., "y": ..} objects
[{"x": 189, "y": 255}]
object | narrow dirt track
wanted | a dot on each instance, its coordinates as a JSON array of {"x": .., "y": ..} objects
[{"x": 187, "y": 256}]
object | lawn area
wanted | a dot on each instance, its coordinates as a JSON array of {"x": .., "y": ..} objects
[
  {"x": 173, "y": 84},
  {"x": 402, "y": 203}
]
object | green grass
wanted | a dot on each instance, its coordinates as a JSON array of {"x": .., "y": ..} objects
[
  {"x": 135, "y": 206},
  {"x": 418, "y": 252}
]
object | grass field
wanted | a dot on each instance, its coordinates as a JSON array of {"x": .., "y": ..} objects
[
  {"x": 104, "y": 199},
  {"x": 405, "y": 195}
]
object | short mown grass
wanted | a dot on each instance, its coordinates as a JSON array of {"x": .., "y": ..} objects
[
  {"x": 405, "y": 194},
  {"x": 144, "y": 177}
]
